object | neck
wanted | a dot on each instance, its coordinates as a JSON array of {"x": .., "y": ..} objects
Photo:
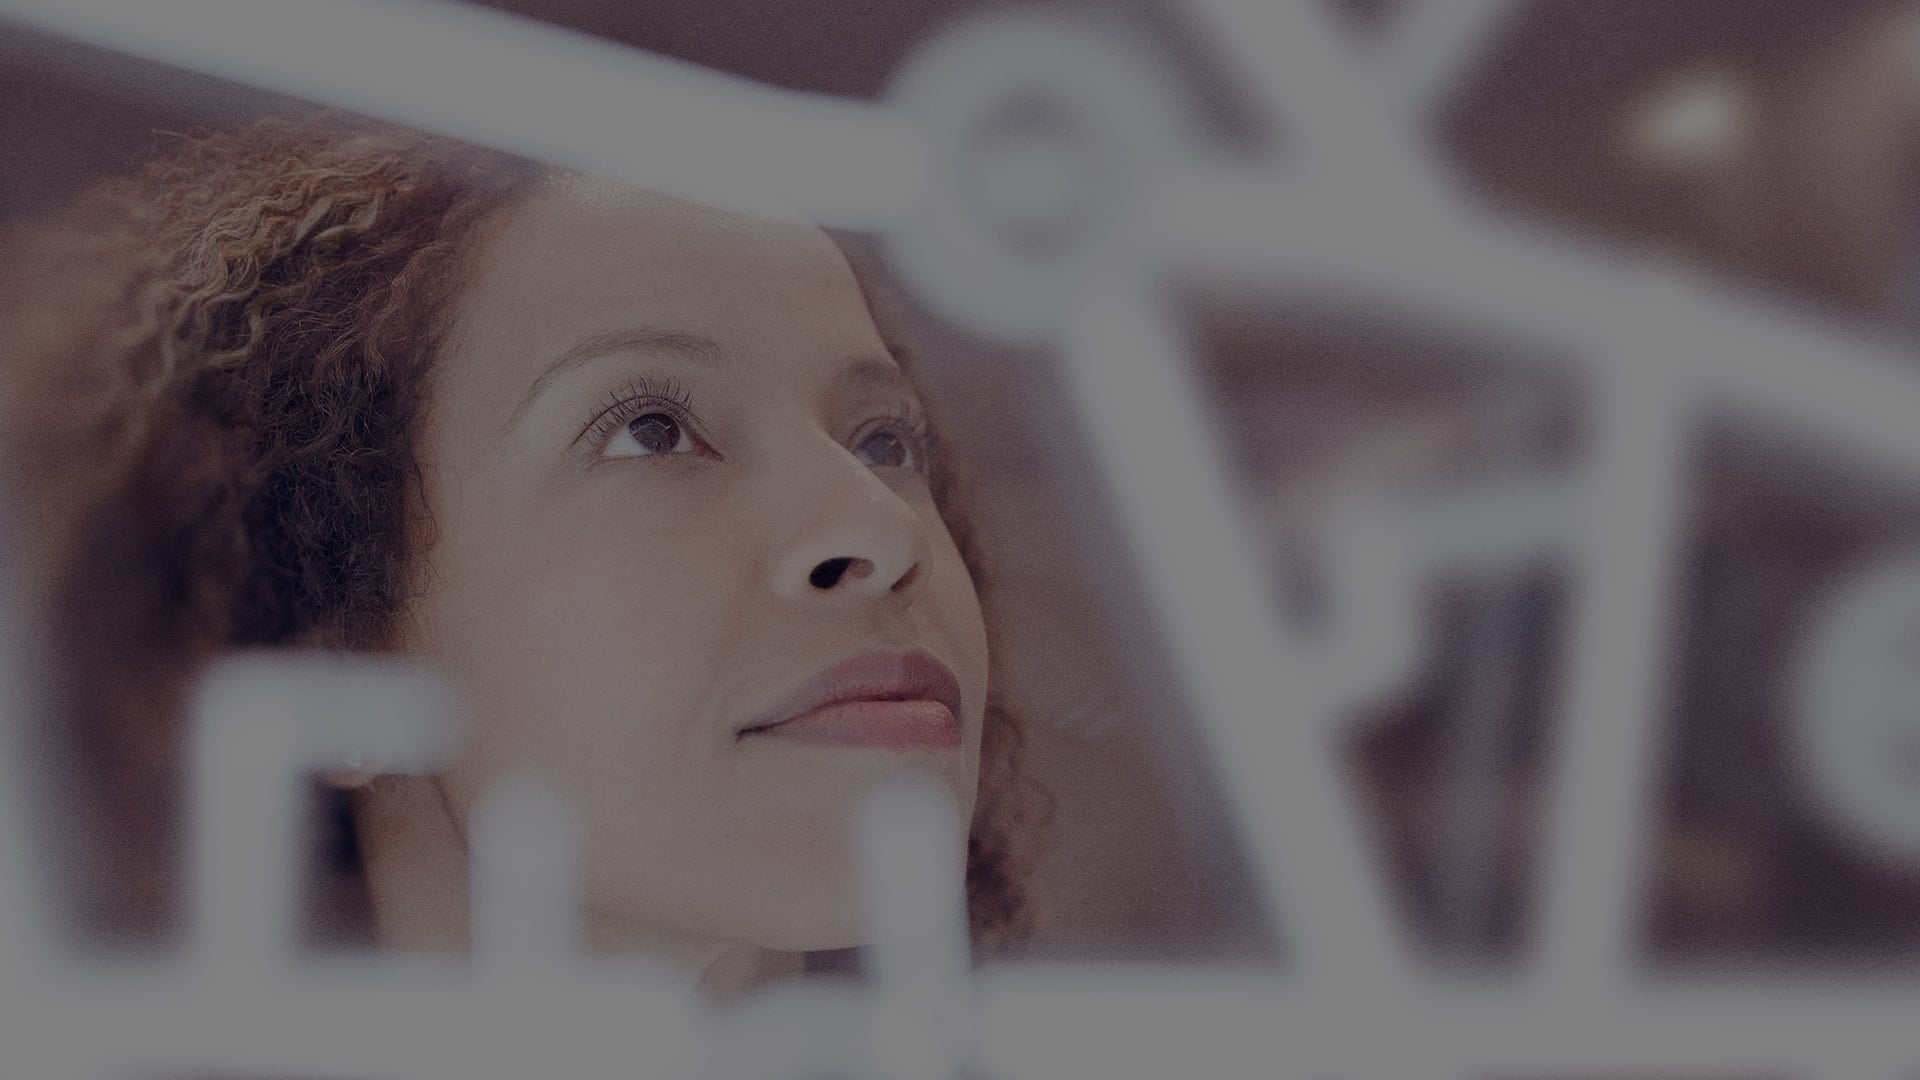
[
  {"x": 415, "y": 864},
  {"x": 723, "y": 971}
]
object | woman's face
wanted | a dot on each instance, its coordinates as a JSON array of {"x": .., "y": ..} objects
[{"x": 673, "y": 476}]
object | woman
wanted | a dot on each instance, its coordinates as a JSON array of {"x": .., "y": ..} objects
[{"x": 640, "y": 477}]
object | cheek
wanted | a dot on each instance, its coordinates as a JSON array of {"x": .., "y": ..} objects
[
  {"x": 590, "y": 651},
  {"x": 953, "y": 605}
]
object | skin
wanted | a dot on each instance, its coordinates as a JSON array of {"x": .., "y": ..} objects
[{"x": 615, "y": 616}]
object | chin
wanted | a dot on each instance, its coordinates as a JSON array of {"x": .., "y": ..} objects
[
  {"x": 814, "y": 914},
  {"x": 827, "y": 934},
  {"x": 795, "y": 887},
  {"x": 820, "y": 911}
]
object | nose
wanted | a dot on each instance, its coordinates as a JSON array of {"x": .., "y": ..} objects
[{"x": 856, "y": 536}]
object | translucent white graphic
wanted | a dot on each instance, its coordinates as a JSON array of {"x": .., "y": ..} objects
[
  {"x": 1858, "y": 722},
  {"x": 1031, "y": 178}
]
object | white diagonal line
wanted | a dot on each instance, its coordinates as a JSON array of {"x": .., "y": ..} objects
[
  {"x": 1336, "y": 116},
  {"x": 531, "y": 89},
  {"x": 1272, "y": 747},
  {"x": 1845, "y": 391},
  {"x": 1595, "y": 848},
  {"x": 1434, "y": 43}
]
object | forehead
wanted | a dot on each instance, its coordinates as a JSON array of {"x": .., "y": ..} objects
[{"x": 581, "y": 257}]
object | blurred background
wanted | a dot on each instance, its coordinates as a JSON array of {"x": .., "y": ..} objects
[{"x": 1772, "y": 146}]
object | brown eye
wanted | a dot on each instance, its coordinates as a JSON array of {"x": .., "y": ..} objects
[
  {"x": 885, "y": 448},
  {"x": 650, "y": 433}
]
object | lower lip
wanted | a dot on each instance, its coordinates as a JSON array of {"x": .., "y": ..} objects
[{"x": 883, "y": 725}]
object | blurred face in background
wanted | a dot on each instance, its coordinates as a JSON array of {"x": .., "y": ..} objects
[{"x": 676, "y": 493}]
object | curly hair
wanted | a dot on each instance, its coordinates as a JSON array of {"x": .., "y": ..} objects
[{"x": 214, "y": 369}]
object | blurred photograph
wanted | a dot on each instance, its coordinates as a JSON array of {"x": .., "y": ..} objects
[{"x": 934, "y": 539}]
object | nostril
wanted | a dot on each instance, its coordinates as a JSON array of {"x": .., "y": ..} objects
[
  {"x": 907, "y": 579},
  {"x": 834, "y": 571},
  {"x": 829, "y": 573}
]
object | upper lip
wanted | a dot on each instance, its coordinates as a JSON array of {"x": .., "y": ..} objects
[{"x": 870, "y": 676}]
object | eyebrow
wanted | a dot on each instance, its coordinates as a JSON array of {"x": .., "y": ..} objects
[
  {"x": 875, "y": 373},
  {"x": 640, "y": 339}
]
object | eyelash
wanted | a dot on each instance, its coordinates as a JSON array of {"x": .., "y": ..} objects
[
  {"x": 907, "y": 418},
  {"x": 669, "y": 396},
  {"x": 636, "y": 400}
]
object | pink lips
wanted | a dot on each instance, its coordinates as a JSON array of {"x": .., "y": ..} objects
[{"x": 885, "y": 700}]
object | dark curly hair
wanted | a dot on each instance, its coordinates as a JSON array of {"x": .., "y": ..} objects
[{"x": 213, "y": 370}]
